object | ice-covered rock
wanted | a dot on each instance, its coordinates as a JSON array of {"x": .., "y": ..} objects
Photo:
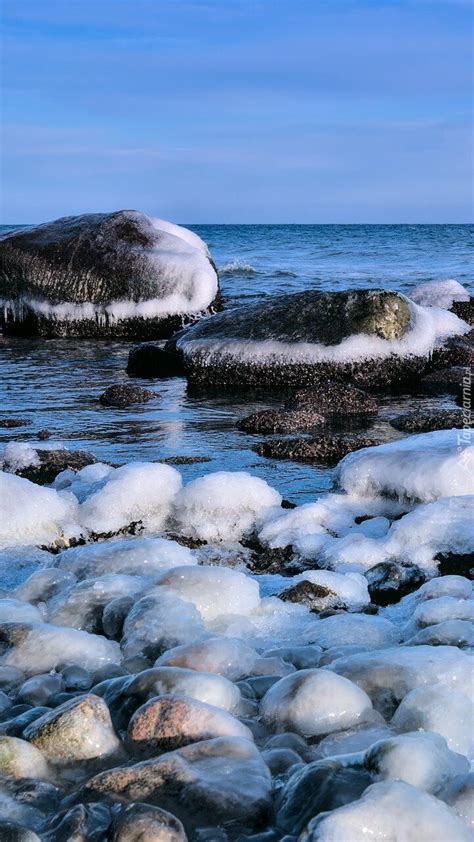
[
  {"x": 223, "y": 506},
  {"x": 390, "y": 810},
  {"x": 141, "y": 492},
  {"x": 144, "y": 823},
  {"x": 344, "y": 629},
  {"x": 459, "y": 794},
  {"x": 421, "y": 759},
  {"x": 17, "y": 611},
  {"x": 19, "y": 759},
  {"x": 423, "y": 468},
  {"x": 171, "y": 721},
  {"x": 115, "y": 274},
  {"x": 225, "y": 778},
  {"x": 439, "y": 293},
  {"x": 206, "y": 687},
  {"x": 77, "y": 730},
  {"x": 224, "y": 656},
  {"x": 30, "y": 514},
  {"x": 158, "y": 622},
  {"x": 363, "y": 335},
  {"x": 349, "y": 589},
  {"x": 130, "y": 556},
  {"x": 39, "y": 647},
  {"x": 314, "y": 702},
  {"x": 445, "y": 710},
  {"x": 44, "y": 584},
  {"x": 215, "y": 591},
  {"x": 81, "y": 606}
]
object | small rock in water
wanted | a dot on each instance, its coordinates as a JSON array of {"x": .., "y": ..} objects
[
  {"x": 425, "y": 421},
  {"x": 323, "y": 449},
  {"x": 280, "y": 421},
  {"x": 126, "y": 394},
  {"x": 446, "y": 380},
  {"x": 78, "y": 730},
  {"x": 389, "y": 582},
  {"x": 11, "y": 423},
  {"x": 52, "y": 462},
  {"x": 315, "y": 597},
  {"x": 152, "y": 360},
  {"x": 44, "y": 435},
  {"x": 144, "y": 823},
  {"x": 334, "y": 400},
  {"x": 82, "y": 823}
]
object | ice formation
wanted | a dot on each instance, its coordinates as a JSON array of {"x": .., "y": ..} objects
[
  {"x": 439, "y": 293},
  {"x": 31, "y": 514}
]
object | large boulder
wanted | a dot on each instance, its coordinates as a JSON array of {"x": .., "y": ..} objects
[
  {"x": 372, "y": 337},
  {"x": 105, "y": 274}
]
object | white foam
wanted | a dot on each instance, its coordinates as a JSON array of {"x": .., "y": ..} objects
[{"x": 439, "y": 293}]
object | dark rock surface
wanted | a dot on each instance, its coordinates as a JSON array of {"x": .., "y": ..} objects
[
  {"x": 323, "y": 449},
  {"x": 11, "y": 423},
  {"x": 388, "y": 581},
  {"x": 316, "y": 598},
  {"x": 149, "y": 359},
  {"x": 99, "y": 260},
  {"x": 446, "y": 380},
  {"x": 426, "y": 421},
  {"x": 126, "y": 394},
  {"x": 144, "y": 823},
  {"x": 333, "y": 399},
  {"x": 457, "y": 564},
  {"x": 52, "y": 462},
  {"x": 465, "y": 310},
  {"x": 280, "y": 421}
]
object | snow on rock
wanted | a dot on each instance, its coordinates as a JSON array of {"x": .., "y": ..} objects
[
  {"x": 420, "y": 468},
  {"x": 82, "y": 605},
  {"x": 225, "y": 656},
  {"x": 31, "y": 514},
  {"x": 314, "y": 702},
  {"x": 139, "y": 492},
  {"x": 372, "y": 632},
  {"x": 439, "y": 293},
  {"x": 17, "y": 611},
  {"x": 421, "y": 759},
  {"x": 158, "y": 622},
  {"x": 206, "y": 687},
  {"x": 434, "y": 707},
  {"x": 389, "y": 810},
  {"x": 215, "y": 591},
  {"x": 223, "y": 506},
  {"x": 459, "y": 794},
  {"x": 131, "y": 556},
  {"x": 37, "y": 648},
  {"x": 17, "y": 455},
  {"x": 349, "y": 588}
]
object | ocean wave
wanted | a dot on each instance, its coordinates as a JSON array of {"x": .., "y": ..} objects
[{"x": 237, "y": 267}]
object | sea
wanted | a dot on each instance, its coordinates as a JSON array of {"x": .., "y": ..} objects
[{"x": 55, "y": 384}]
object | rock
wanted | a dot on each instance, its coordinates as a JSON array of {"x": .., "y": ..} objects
[
  {"x": 144, "y": 823},
  {"x": 298, "y": 339},
  {"x": 319, "y": 787},
  {"x": 82, "y": 823},
  {"x": 226, "y": 656},
  {"x": 43, "y": 584},
  {"x": 80, "y": 729},
  {"x": 224, "y": 778},
  {"x": 169, "y": 722},
  {"x": 459, "y": 794},
  {"x": 38, "y": 689},
  {"x": 206, "y": 687},
  {"x": 280, "y": 421},
  {"x": 19, "y": 759},
  {"x": 446, "y": 380},
  {"x": 119, "y": 274},
  {"x": 44, "y": 435},
  {"x": 126, "y": 394},
  {"x": 322, "y": 449},
  {"x": 441, "y": 709},
  {"x": 11, "y": 423},
  {"x": 302, "y": 657},
  {"x": 333, "y": 399},
  {"x": 52, "y": 462},
  {"x": 309, "y": 702},
  {"x": 465, "y": 310},
  {"x": 76, "y": 679},
  {"x": 457, "y": 350},
  {"x": 315, "y": 597},
  {"x": 461, "y": 564},
  {"x": 20, "y": 717},
  {"x": 426, "y": 421},
  {"x": 150, "y": 359},
  {"x": 115, "y": 614},
  {"x": 389, "y": 581},
  {"x": 280, "y": 560},
  {"x": 12, "y": 832},
  {"x": 158, "y": 622},
  {"x": 82, "y": 606}
]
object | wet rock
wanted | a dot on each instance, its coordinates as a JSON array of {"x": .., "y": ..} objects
[
  {"x": 252, "y": 344},
  {"x": 458, "y": 350},
  {"x": 19, "y": 759},
  {"x": 315, "y": 597},
  {"x": 126, "y": 394},
  {"x": 120, "y": 704},
  {"x": 11, "y": 423},
  {"x": 44, "y": 435},
  {"x": 334, "y": 400},
  {"x": 82, "y": 606},
  {"x": 44, "y": 584},
  {"x": 464, "y": 310},
  {"x": 389, "y": 582},
  {"x": 119, "y": 274},
  {"x": 152, "y": 360},
  {"x": 280, "y": 560},
  {"x": 319, "y": 787},
  {"x": 52, "y": 462},
  {"x": 225, "y": 778},
  {"x": 37, "y": 690},
  {"x": 458, "y": 564},
  {"x": 446, "y": 380},
  {"x": 76, "y": 679},
  {"x": 21, "y": 717},
  {"x": 186, "y": 460},
  {"x": 171, "y": 721},
  {"x": 80, "y": 729},
  {"x": 114, "y": 615},
  {"x": 426, "y": 421},
  {"x": 12, "y": 832},
  {"x": 323, "y": 449},
  {"x": 82, "y": 823},
  {"x": 144, "y": 823},
  {"x": 280, "y": 421}
]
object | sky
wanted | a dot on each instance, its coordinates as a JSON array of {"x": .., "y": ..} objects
[{"x": 238, "y": 111}]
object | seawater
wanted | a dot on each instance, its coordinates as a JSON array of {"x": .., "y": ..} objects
[{"x": 56, "y": 383}]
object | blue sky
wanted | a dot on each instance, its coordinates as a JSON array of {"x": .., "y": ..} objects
[{"x": 238, "y": 111}]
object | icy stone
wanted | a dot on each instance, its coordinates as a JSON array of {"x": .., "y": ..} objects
[
  {"x": 225, "y": 656},
  {"x": 421, "y": 759},
  {"x": 204, "y": 686},
  {"x": 389, "y": 810},
  {"x": 158, "y": 622},
  {"x": 144, "y": 823},
  {"x": 459, "y": 794},
  {"x": 352, "y": 741},
  {"x": 44, "y": 584},
  {"x": 31, "y": 514},
  {"x": 37, "y": 690},
  {"x": 439, "y": 293},
  {"x": 171, "y": 721},
  {"x": 81, "y": 606},
  {"x": 80, "y": 729},
  {"x": 82, "y": 823},
  {"x": 441, "y": 709},
  {"x": 37, "y": 648},
  {"x": 19, "y": 759},
  {"x": 302, "y": 657},
  {"x": 448, "y": 633},
  {"x": 343, "y": 629},
  {"x": 225, "y": 778},
  {"x": 312, "y": 703},
  {"x": 131, "y": 556},
  {"x": 223, "y": 506},
  {"x": 215, "y": 591},
  {"x": 141, "y": 492},
  {"x": 17, "y": 611}
]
